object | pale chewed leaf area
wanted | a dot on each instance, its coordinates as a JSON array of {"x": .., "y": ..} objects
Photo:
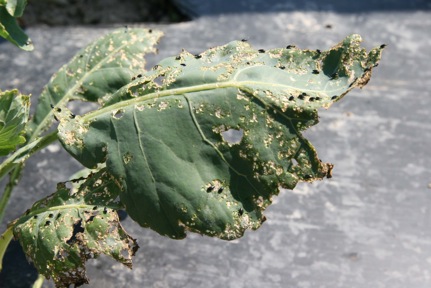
[{"x": 61, "y": 232}]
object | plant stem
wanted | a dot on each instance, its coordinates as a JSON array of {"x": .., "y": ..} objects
[
  {"x": 5, "y": 239},
  {"x": 16, "y": 163},
  {"x": 14, "y": 177},
  {"x": 39, "y": 281},
  {"x": 25, "y": 152}
]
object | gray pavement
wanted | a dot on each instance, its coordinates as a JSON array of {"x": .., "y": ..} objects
[{"x": 368, "y": 226}]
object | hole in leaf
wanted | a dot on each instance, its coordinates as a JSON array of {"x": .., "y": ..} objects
[
  {"x": 76, "y": 108},
  {"x": 77, "y": 228},
  {"x": 92, "y": 217},
  {"x": 159, "y": 81},
  {"x": 127, "y": 158},
  {"x": 122, "y": 214},
  {"x": 68, "y": 185},
  {"x": 233, "y": 136},
  {"x": 118, "y": 114},
  {"x": 125, "y": 254}
]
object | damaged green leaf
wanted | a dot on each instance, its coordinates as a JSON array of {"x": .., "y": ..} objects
[
  {"x": 61, "y": 232},
  {"x": 9, "y": 28},
  {"x": 14, "y": 109},
  {"x": 165, "y": 135},
  {"x": 96, "y": 72}
]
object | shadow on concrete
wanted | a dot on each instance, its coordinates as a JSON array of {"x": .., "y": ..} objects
[{"x": 17, "y": 271}]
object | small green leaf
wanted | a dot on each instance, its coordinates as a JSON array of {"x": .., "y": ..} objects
[
  {"x": 10, "y": 30},
  {"x": 96, "y": 72},
  {"x": 61, "y": 232},
  {"x": 14, "y": 109},
  {"x": 203, "y": 142}
]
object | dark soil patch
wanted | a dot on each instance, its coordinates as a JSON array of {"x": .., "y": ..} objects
[{"x": 92, "y": 12}]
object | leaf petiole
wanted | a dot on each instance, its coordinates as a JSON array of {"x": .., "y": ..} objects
[{"x": 5, "y": 239}]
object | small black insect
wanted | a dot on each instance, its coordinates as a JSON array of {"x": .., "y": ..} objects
[
  {"x": 316, "y": 71},
  {"x": 139, "y": 75},
  {"x": 95, "y": 208},
  {"x": 105, "y": 210},
  {"x": 334, "y": 76},
  {"x": 290, "y": 46},
  {"x": 304, "y": 94},
  {"x": 240, "y": 211},
  {"x": 133, "y": 78},
  {"x": 72, "y": 116},
  {"x": 47, "y": 223},
  {"x": 291, "y": 98},
  {"x": 150, "y": 31},
  {"x": 282, "y": 67},
  {"x": 183, "y": 64},
  {"x": 35, "y": 216},
  {"x": 198, "y": 56},
  {"x": 318, "y": 51},
  {"x": 375, "y": 65},
  {"x": 50, "y": 215},
  {"x": 178, "y": 58},
  {"x": 220, "y": 189},
  {"x": 317, "y": 98},
  {"x": 261, "y": 50},
  {"x": 55, "y": 118},
  {"x": 52, "y": 106},
  {"x": 248, "y": 63},
  {"x": 383, "y": 46},
  {"x": 301, "y": 97},
  {"x": 328, "y": 26},
  {"x": 244, "y": 40},
  {"x": 307, "y": 177},
  {"x": 311, "y": 99},
  {"x": 334, "y": 97},
  {"x": 211, "y": 188}
]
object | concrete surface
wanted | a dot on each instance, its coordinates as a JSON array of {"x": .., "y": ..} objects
[
  {"x": 368, "y": 226},
  {"x": 198, "y": 8}
]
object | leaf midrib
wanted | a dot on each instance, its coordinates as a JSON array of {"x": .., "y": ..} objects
[{"x": 184, "y": 90}]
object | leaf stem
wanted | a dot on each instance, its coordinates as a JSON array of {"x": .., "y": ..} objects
[
  {"x": 25, "y": 152},
  {"x": 14, "y": 177},
  {"x": 158, "y": 94},
  {"x": 39, "y": 281},
  {"x": 5, "y": 239},
  {"x": 15, "y": 163}
]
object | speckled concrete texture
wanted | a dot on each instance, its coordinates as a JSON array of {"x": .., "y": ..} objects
[{"x": 368, "y": 226}]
